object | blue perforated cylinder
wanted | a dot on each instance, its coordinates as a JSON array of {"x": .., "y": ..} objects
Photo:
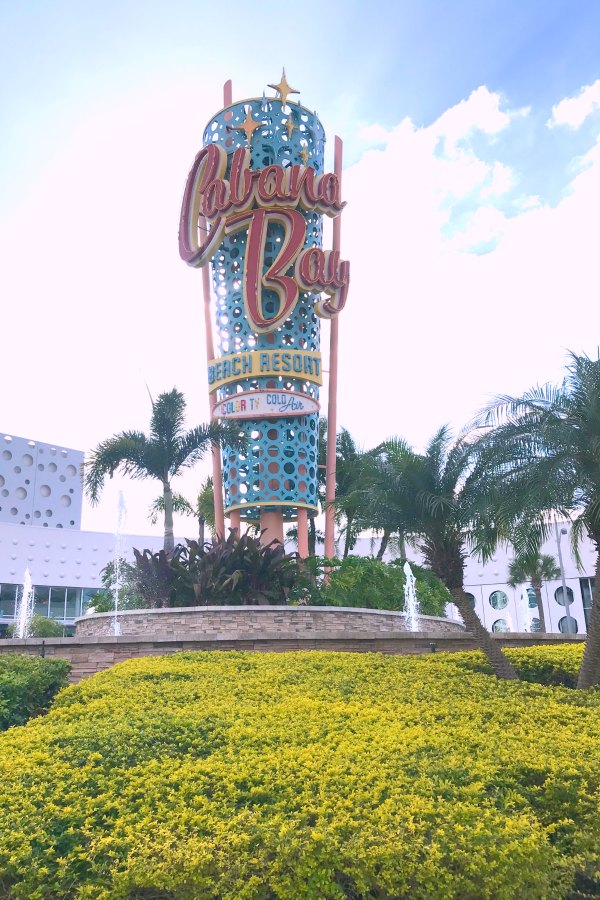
[{"x": 279, "y": 469}]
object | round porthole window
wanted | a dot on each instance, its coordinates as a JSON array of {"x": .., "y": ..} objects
[
  {"x": 500, "y": 625},
  {"x": 563, "y": 626},
  {"x": 498, "y": 600},
  {"x": 558, "y": 595}
]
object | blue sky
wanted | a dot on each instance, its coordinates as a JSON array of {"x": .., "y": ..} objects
[{"x": 479, "y": 274}]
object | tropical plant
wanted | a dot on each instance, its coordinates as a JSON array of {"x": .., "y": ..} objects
[
  {"x": 445, "y": 499},
  {"x": 154, "y": 579},
  {"x": 203, "y": 510},
  {"x": 353, "y": 472},
  {"x": 362, "y": 581},
  {"x": 536, "y": 568},
  {"x": 236, "y": 570},
  {"x": 544, "y": 449},
  {"x": 40, "y": 627},
  {"x": 162, "y": 454},
  {"x": 129, "y": 597}
]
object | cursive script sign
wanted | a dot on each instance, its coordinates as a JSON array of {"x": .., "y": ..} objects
[
  {"x": 265, "y": 405},
  {"x": 252, "y": 200}
]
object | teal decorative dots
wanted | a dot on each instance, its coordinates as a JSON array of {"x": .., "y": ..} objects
[{"x": 279, "y": 468}]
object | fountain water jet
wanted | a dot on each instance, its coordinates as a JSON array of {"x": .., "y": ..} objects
[
  {"x": 527, "y": 624},
  {"x": 24, "y": 610},
  {"x": 411, "y": 601},
  {"x": 117, "y": 560}
]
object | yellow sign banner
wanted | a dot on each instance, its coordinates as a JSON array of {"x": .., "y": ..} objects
[{"x": 304, "y": 365}]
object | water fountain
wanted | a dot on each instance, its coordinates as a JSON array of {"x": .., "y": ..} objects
[
  {"x": 24, "y": 610},
  {"x": 117, "y": 560},
  {"x": 411, "y": 601}
]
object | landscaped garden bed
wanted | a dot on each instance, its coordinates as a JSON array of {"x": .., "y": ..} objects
[{"x": 319, "y": 775}]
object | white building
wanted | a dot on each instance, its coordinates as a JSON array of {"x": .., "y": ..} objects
[{"x": 40, "y": 518}]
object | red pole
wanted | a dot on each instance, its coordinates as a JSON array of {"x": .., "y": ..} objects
[
  {"x": 333, "y": 379},
  {"x": 212, "y": 399},
  {"x": 302, "y": 532}
]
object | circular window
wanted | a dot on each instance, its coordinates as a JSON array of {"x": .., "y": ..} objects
[
  {"x": 558, "y": 595},
  {"x": 500, "y": 624},
  {"x": 470, "y": 598},
  {"x": 532, "y": 598},
  {"x": 498, "y": 600},
  {"x": 563, "y": 626}
]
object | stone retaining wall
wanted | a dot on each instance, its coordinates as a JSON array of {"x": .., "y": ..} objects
[
  {"x": 241, "y": 622},
  {"x": 89, "y": 655}
]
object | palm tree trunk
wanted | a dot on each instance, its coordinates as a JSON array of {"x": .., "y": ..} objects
[
  {"x": 201, "y": 524},
  {"x": 537, "y": 587},
  {"x": 501, "y": 666},
  {"x": 169, "y": 540},
  {"x": 589, "y": 673},
  {"x": 312, "y": 537},
  {"x": 347, "y": 537},
  {"x": 385, "y": 537}
]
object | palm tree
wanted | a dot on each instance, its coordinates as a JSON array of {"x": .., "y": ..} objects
[
  {"x": 162, "y": 454},
  {"x": 203, "y": 509},
  {"x": 352, "y": 468},
  {"x": 536, "y": 568},
  {"x": 544, "y": 447},
  {"x": 442, "y": 496}
]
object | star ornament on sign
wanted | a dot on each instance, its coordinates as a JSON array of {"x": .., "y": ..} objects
[
  {"x": 249, "y": 126},
  {"x": 283, "y": 88}
]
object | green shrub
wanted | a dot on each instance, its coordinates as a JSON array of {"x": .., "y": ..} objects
[
  {"x": 362, "y": 581},
  {"x": 303, "y": 775},
  {"x": 40, "y": 626},
  {"x": 28, "y": 685}
]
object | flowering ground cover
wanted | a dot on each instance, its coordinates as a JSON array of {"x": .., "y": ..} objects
[{"x": 304, "y": 775}]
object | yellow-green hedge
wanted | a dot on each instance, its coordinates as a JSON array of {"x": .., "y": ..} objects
[{"x": 302, "y": 775}]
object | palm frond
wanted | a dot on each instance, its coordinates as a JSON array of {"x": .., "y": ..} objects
[{"x": 127, "y": 451}]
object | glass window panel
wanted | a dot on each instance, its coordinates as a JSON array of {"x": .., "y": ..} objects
[
  {"x": 86, "y": 598},
  {"x": 8, "y": 594},
  {"x": 57, "y": 602},
  {"x": 73, "y": 602},
  {"x": 498, "y": 600},
  {"x": 558, "y": 595},
  {"x": 532, "y": 598},
  {"x": 536, "y": 625},
  {"x": 587, "y": 587},
  {"x": 42, "y": 596},
  {"x": 470, "y": 598},
  {"x": 500, "y": 625}
]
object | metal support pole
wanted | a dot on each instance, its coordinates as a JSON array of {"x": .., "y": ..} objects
[
  {"x": 333, "y": 378},
  {"x": 271, "y": 525},
  {"x": 217, "y": 472},
  {"x": 235, "y": 520},
  {"x": 571, "y": 625},
  {"x": 302, "y": 533}
]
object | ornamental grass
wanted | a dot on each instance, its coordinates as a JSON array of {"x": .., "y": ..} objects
[{"x": 304, "y": 775}]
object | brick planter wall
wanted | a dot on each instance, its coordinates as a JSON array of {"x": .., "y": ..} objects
[
  {"x": 243, "y": 622},
  {"x": 89, "y": 655}
]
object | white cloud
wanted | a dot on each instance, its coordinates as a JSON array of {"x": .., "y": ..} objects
[
  {"x": 573, "y": 111},
  {"x": 441, "y": 318},
  {"x": 100, "y": 301}
]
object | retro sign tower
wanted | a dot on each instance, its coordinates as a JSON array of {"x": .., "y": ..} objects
[{"x": 253, "y": 209}]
